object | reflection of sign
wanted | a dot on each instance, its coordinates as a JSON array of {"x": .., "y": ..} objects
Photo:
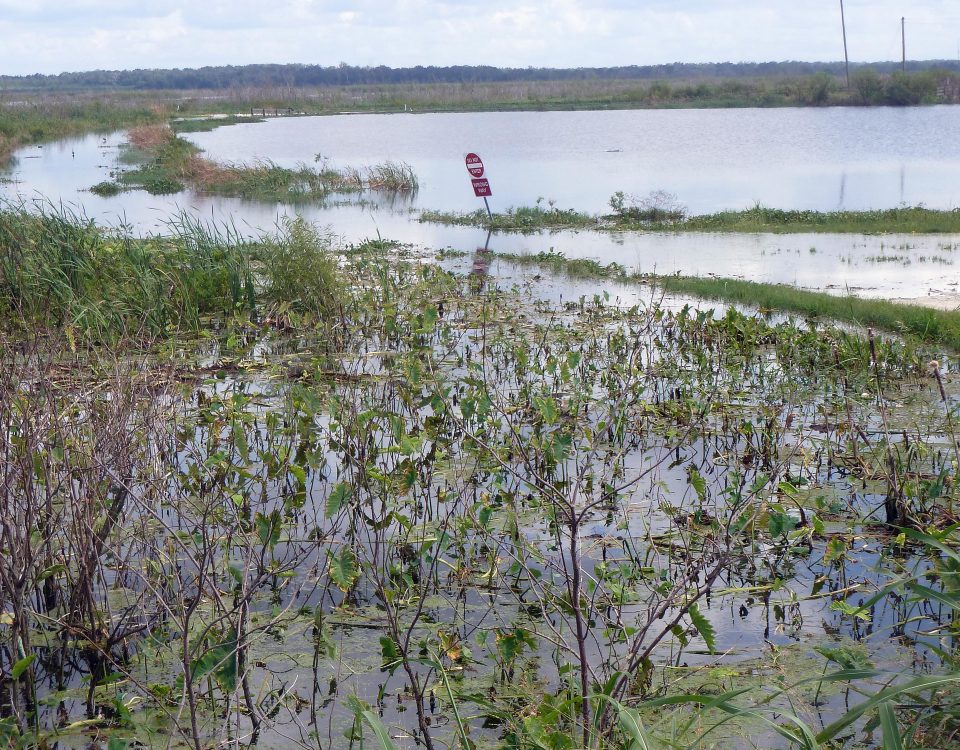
[
  {"x": 474, "y": 165},
  {"x": 481, "y": 187}
]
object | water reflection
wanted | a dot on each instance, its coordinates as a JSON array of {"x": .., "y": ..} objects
[{"x": 481, "y": 266}]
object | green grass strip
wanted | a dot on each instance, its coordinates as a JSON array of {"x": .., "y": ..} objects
[
  {"x": 927, "y": 324},
  {"x": 924, "y": 323},
  {"x": 756, "y": 220}
]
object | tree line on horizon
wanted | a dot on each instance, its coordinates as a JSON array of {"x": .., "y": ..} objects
[{"x": 300, "y": 75}]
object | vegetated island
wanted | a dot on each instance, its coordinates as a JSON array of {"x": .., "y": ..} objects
[
  {"x": 162, "y": 163},
  {"x": 659, "y": 212}
]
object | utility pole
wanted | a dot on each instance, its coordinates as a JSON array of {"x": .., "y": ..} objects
[
  {"x": 846, "y": 57},
  {"x": 903, "y": 42}
]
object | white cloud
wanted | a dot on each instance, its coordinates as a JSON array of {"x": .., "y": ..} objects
[{"x": 55, "y": 35}]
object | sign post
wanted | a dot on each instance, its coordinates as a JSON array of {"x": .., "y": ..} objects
[{"x": 481, "y": 185}]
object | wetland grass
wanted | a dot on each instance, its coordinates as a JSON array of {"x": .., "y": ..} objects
[
  {"x": 924, "y": 323},
  {"x": 165, "y": 163},
  {"x": 59, "y": 269},
  {"x": 759, "y": 219},
  {"x": 48, "y": 118}
]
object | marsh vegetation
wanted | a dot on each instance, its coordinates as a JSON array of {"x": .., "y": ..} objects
[
  {"x": 660, "y": 212},
  {"x": 164, "y": 163},
  {"x": 274, "y": 490},
  {"x": 322, "y": 497}
]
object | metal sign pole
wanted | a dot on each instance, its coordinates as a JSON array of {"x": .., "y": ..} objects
[{"x": 487, "y": 204}]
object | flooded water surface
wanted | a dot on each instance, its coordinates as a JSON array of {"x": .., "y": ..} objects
[{"x": 823, "y": 159}]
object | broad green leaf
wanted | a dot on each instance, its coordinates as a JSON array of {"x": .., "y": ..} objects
[
  {"x": 390, "y": 652},
  {"x": 268, "y": 528},
  {"x": 237, "y": 573},
  {"x": 780, "y": 524},
  {"x": 547, "y": 408},
  {"x": 699, "y": 484},
  {"x": 344, "y": 570},
  {"x": 221, "y": 661},
  {"x": 300, "y": 473},
  {"x": 848, "y": 609},
  {"x": 511, "y": 644},
  {"x": 704, "y": 628},
  {"x": 22, "y": 666},
  {"x": 336, "y": 499}
]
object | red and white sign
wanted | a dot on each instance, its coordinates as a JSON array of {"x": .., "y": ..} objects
[
  {"x": 481, "y": 187},
  {"x": 474, "y": 165}
]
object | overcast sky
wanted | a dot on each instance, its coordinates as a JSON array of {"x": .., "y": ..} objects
[{"x": 51, "y": 36}]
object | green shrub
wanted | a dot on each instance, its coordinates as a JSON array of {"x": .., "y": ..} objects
[{"x": 299, "y": 271}]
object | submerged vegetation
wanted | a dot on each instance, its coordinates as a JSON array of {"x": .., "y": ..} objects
[
  {"x": 380, "y": 501},
  {"x": 165, "y": 163}
]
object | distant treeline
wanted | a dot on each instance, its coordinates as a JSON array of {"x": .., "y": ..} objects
[{"x": 299, "y": 76}]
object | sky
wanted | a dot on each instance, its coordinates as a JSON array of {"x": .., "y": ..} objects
[{"x": 53, "y": 36}]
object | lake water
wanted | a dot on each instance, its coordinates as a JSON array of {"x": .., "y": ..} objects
[
  {"x": 822, "y": 159},
  {"x": 827, "y": 159}
]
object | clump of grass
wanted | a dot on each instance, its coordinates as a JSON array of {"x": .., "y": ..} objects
[
  {"x": 558, "y": 263},
  {"x": 299, "y": 272},
  {"x": 163, "y": 186},
  {"x": 149, "y": 137},
  {"x": 106, "y": 189},
  {"x": 58, "y": 268},
  {"x": 656, "y": 207},
  {"x": 519, "y": 219},
  {"x": 392, "y": 176},
  {"x": 759, "y": 218}
]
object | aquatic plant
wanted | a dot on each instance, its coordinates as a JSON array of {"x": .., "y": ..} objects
[
  {"x": 449, "y": 516},
  {"x": 165, "y": 163}
]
